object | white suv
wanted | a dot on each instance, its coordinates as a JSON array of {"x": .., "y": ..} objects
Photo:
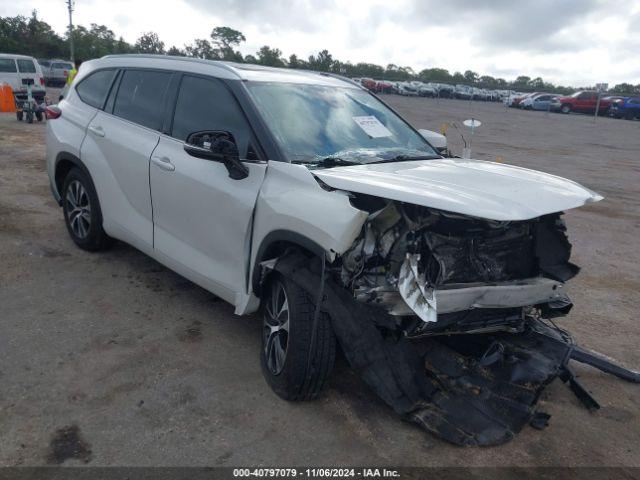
[{"x": 305, "y": 194}]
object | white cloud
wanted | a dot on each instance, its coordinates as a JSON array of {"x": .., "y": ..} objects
[{"x": 575, "y": 42}]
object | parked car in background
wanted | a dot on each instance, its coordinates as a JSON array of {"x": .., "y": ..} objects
[
  {"x": 628, "y": 108},
  {"x": 58, "y": 72},
  {"x": 426, "y": 90},
  {"x": 406, "y": 89},
  {"x": 583, "y": 101},
  {"x": 17, "y": 69},
  {"x": 540, "y": 101},
  {"x": 368, "y": 83},
  {"x": 463, "y": 92},
  {"x": 445, "y": 90}
]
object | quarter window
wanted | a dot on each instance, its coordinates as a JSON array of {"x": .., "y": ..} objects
[
  {"x": 207, "y": 104},
  {"x": 26, "y": 66},
  {"x": 93, "y": 89},
  {"x": 140, "y": 97},
  {"x": 8, "y": 65}
]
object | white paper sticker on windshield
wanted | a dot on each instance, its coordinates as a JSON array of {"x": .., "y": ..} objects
[{"x": 372, "y": 126}]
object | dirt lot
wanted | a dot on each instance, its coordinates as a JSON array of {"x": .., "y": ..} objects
[{"x": 153, "y": 370}]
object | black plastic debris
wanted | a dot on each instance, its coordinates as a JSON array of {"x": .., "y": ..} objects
[{"x": 474, "y": 389}]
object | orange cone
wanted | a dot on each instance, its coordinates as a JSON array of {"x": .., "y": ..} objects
[{"x": 7, "y": 102}]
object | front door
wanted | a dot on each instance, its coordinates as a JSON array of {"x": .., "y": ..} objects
[{"x": 202, "y": 218}]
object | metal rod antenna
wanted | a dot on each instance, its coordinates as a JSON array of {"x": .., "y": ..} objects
[{"x": 70, "y": 5}]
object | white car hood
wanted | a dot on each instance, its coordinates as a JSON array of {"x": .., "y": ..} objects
[{"x": 470, "y": 187}]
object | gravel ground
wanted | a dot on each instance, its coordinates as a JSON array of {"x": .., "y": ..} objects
[{"x": 120, "y": 360}]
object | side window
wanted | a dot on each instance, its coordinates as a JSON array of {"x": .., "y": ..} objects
[
  {"x": 26, "y": 66},
  {"x": 140, "y": 97},
  {"x": 584, "y": 96},
  {"x": 93, "y": 89},
  {"x": 207, "y": 104},
  {"x": 8, "y": 65}
]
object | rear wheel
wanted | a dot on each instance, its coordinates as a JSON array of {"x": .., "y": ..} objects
[
  {"x": 295, "y": 361},
  {"x": 29, "y": 117},
  {"x": 82, "y": 213},
  {"x": 39, "y": 116},
  {"x": 19, "y": 115}
]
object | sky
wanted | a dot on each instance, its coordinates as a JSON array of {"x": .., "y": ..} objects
[{"x": 568, "y": 42}]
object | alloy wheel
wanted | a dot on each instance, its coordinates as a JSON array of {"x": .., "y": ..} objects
[
  {"x": 78, "y": 209},
  {"x": 276, "y": 328}
]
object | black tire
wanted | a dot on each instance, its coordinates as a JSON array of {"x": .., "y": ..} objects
[
  {"x": 19, "y": 115},
  {"x": 300, "y": 377},
  {"x": 94, "y": 237},
  {"x": 39, "y": 116},
  {"x": 29, "y": 117},
  {"x": 566, "y": 108}
]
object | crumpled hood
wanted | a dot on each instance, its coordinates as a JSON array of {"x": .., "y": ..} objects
[{"x": 470, "y": 187}]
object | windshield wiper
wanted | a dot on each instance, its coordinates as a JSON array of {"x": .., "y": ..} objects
[
  {"x": 407, "y": 158},
  {"x": 335, "y": 161}
]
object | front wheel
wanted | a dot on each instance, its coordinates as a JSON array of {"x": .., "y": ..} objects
[
  {"x": 565, "y": 108},
  {"x": 295, "y": 361}
]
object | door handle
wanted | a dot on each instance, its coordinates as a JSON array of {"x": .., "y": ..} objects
[
  {"x": 96, "y": 130},
  {"x": 164, "y": 163}
]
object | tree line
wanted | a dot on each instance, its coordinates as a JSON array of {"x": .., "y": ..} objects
[{"x": 34, "y": 37}]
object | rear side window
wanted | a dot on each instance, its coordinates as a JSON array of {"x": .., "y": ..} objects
[
  {"x": 67, "y": 66},
  {"x": 140, "y": 97},
  {"x": 44, "y": 63},
  {"x": 26, "y": 66},
  {"x": 8, "y": 65},
  {"x": 206, "y": 104},
  {"x": 94, "y": 88}
]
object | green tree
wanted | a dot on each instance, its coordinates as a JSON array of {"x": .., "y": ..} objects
[
  {"x": 471, "y": 77},
  {"x": 271, "y": 57},
  {"x": 321, "y": 62},
  {"x": 224, "y": 40},
  {"x": 438, "y": 75},
  {"x": 176, "y": 52},
  {"x": 149, "y": 42},
  {"x": 201, "y": 48}
]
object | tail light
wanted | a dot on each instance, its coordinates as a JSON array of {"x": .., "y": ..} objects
[
  {"x": 42, "y": 81},
  {"x": 52, "y": 112}
]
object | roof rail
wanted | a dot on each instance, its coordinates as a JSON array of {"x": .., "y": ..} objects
[{"x": 217, "y": 63}]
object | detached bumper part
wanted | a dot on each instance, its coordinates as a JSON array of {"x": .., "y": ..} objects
[{"x": 478, "y": 389}]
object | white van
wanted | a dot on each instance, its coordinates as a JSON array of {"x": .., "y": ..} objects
[{"x": 15, "y": 68}]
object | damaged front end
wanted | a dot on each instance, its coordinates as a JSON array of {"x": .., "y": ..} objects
[
  {"x": 447, "y": 317},
  {"x": 438, "y": 272}
]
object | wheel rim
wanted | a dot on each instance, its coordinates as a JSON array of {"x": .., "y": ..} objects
[
  {"x": 78, "y": 209},
  {"x": 276, "y": 328}
]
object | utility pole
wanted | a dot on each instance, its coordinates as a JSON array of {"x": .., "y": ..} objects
[{"x": 70, "y": 4}]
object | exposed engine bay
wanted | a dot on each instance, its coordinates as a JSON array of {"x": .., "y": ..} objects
[{"x": 456, "y": 273}]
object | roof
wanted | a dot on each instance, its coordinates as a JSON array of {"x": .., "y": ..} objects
[
  {"x": 15, "y": 55},
  {"x": 231, "y": 70}
]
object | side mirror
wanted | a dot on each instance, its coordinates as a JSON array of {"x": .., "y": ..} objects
[
  {"x": 437, "y": 140},
  {"x": 219, "y": 146}
]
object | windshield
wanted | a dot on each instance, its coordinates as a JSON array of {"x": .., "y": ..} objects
[{"x": 314, "y": 122}]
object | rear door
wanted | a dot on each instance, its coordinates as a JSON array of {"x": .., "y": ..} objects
[
  {"x": 120, "y": 141},
  {"x": 28, "y": 69},
  {"x": 202, "y": 217}
]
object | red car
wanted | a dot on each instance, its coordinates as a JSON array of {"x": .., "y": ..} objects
[{"x": 584, "y": 101}]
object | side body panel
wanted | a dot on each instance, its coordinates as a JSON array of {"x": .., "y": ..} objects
[
  {"x": 291, "y": 200},
  {"x": 117, "y": 154},
  {"x": 66, "y": 133},
  {"x": 203, "y": 218}
]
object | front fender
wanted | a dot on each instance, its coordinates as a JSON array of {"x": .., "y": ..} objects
[{"x": 292, "y": 201}]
